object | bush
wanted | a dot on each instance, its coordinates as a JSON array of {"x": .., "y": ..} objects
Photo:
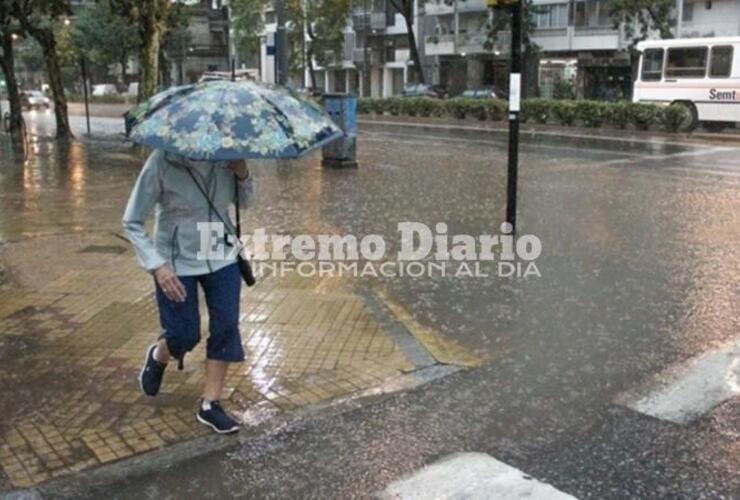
[
  {"x": 564, "y": 111},
  {"x": 673, "y": 117},
  {"x": 456, "y": 107},
  {"x": 429, "y": 107},
  {"x": 619, "y": 114},
  {"x": 393, "y": 105},
  {"x": 496, "y": 109},
  {"x": 643, "y": 115},
  {"x": 366, "y": 105},
  {"x": 537, "y": 110},
  {"x": 477, "y": 108},
  {"x": 591, "y": 113}
]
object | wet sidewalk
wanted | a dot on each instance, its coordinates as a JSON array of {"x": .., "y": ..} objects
[{"x": 76, "y": 321}]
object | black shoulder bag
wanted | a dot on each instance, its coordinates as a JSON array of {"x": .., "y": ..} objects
[{"x": 245, "y": 268}]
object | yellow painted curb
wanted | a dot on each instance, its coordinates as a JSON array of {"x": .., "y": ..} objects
[{"x": 443, "y": 350}]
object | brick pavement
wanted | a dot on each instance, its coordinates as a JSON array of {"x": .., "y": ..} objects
[{"x": 76, "y": 317}]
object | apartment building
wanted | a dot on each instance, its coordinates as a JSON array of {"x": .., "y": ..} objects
[
  {"x": 375, "y": 44},
  {"x": 578, "y": 41}
]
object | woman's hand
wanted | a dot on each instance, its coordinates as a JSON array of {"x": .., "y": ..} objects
[
  {"x": 170, "y": 283},
  {"x": 239, "y": 167}
]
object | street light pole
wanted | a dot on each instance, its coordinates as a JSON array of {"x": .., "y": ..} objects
[{"x": 281, "y": 52}]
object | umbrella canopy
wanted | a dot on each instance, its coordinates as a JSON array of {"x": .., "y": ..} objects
[{"x": 225, "y": 120}]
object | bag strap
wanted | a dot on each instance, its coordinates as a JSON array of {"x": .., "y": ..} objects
[
  {"x": 236, "y": 201},
  {"x": 210, "y": 203}
]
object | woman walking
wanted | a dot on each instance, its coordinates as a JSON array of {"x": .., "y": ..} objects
[{"x": 186, "y": 194}]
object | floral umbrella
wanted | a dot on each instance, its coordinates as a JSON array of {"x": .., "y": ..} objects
[{"x": 225, "y": 120}]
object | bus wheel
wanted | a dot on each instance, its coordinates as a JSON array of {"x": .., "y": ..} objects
[
  {"x": 692, "y": 120},
  {"x": 714, "y": 126}
]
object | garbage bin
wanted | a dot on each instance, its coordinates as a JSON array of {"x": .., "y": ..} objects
[{"x": 342, "y": 108}]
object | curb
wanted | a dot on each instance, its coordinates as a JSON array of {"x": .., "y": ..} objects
[
  {"x": 528, "y": 129},
  {"x": 84, "y": 483}
]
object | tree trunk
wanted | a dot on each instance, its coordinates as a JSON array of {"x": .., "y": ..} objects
[
  {"x": 414, "y": 52},
  {"x": 54, "y": 73},
  {"x": 17, "y": 126},
  {"x": 124, "y": 76},
  {"x": 148, "y": 63}
]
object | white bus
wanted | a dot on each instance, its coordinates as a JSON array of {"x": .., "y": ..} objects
[{"x": 702, "y": 74}]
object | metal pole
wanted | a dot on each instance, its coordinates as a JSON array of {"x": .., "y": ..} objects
[
  {"x": 515, "y": 80},
  {"x": 366, "y": 78},
  {"x": 83, "y": 67},
  {"x": 281, "y": 52},
  {"x": 233, "y": 70}
]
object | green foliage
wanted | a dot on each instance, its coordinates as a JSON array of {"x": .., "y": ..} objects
[
  {"x": 102, "y": 36},
  {"x": 247, "y": 24},
  {"x": 456, "y": 107},
  {"x": 537, "y": 110},
  {"x": 644, "y": 115},
  {"x": 564, "y": 88},
  {"x": 496, "y": 109},
  {"x": 564, "y": 111},
  {"x": 591, "y": 113},
  {"x": 642, "y": 17},
  {"x": 673, "y": 117},
  {"x": 619, "y": 114}
]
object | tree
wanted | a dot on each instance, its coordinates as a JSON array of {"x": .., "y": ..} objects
[
  {"x": 641, "y": 18},
  {"x": 38, "y": 18},
  {"x": 8, "y": 30},
  {"x": 530, "y": 54},
  {"x": 151, "y": 18},
  {"x": 103, "y": 37},
  {"x": 247, "y": 25},
  {"x": 324, "y": 22},
  {"x": 406, "y": 9}
]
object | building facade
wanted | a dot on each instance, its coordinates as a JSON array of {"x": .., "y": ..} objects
[{"x": 580, "y": 47}]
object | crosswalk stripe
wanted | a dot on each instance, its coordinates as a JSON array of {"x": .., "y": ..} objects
[
  {"x": 470, "y": 476},
  {"x": 691, "y": 389}
]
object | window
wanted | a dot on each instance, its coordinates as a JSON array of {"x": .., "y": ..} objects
[
  {"x": 686, "y": 62},
  {"x": 721, "y": 65},
  {"x": 652, "y": 65},
  {"x": 688, "y": 12},
  {"x": 579, "y": 16},
  {"x": 552, "y": 16}
]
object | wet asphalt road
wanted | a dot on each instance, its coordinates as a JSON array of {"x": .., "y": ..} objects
[{"x": 640, "y": 270}]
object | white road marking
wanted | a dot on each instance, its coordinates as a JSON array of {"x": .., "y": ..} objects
[
  {"x": 470, "y": 476},
  {"x": 690, "y": 390}
]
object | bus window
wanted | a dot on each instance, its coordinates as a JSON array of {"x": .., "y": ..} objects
[
  {"x": 686, "y": 62},
  {"x": 652, "y": 65},
  {"x": 721, "y": 62}
]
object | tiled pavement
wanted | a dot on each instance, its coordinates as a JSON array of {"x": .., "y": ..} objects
[{"x": 75, "y": 320}]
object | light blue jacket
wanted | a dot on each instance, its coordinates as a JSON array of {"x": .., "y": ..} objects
[{"x": 165, "y": 185}]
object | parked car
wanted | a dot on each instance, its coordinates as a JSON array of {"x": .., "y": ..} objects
[
  {"x": 102, "y": 89},
  {"x": 484, "y": 93},
  {"x": 34, "y": 99},
  {"x": 309, "y": 92},
  {"x": 425, "y": 90}
]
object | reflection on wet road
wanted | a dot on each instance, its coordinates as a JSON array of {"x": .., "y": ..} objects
[{"x": 640, "y": 264}]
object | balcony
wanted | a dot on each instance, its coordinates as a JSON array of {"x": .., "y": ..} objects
[
  {"x": 595, "y": 38},
  {"x": 358, "y": 56},
  {"x": 474, "y": 43},
  {"x": 439, "y": 45},
  {"x": 369, "y": 20},
  {"x": 446, "y": 7}
]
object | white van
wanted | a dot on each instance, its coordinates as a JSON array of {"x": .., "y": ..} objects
[{"x": 702, "y": 74}]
